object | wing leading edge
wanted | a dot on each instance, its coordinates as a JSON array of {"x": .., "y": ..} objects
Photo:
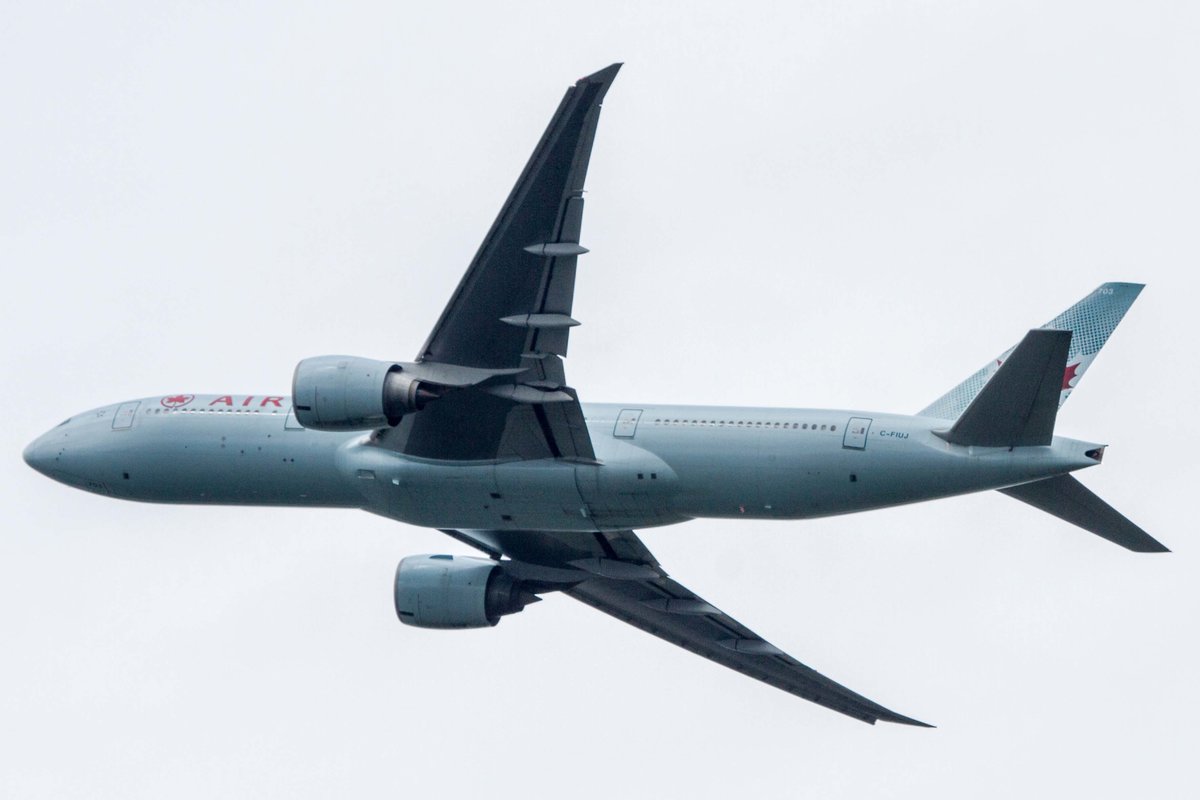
[
  {"x": 515, "y": 299},
  {"x": 511, "y": 312},
  {"x": 635, "y": 590}
]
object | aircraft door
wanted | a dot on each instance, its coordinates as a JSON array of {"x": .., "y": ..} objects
[
  {"x": 123, "y": 419},
  {"x": 855, "y": 437},
  {"x": 627, "y": 422}
]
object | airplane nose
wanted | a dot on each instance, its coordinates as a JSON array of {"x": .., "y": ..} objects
[
  {"x": 38, "y": 455},
  {"x": 68, "y": 454}
]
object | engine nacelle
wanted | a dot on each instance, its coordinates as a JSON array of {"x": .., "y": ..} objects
[
  {"x": 455, "y": 592},
  {"x": 347, "y": 393}
]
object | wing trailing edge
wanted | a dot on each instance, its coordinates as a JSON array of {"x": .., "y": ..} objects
[{"x": 616, "y": 573}]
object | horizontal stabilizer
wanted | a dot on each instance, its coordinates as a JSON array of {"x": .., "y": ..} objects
[
  {"x": 1069, "y": 500},
  {"x": 1018, "y": 406}
]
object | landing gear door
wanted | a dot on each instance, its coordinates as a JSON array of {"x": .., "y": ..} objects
[
  {"x": 123, "y": 419},
  {"x": 627, "y": 422},
  {"x": 856, "y": 433}
]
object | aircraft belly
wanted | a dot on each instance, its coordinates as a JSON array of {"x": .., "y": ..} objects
[
  {"x": 218, "y": 460},
  {"x": 832, "y": 480},
  {"x": 713, "y": 473},
  {"x": 517, "y": 495},
  {"x": 541, "y": 494},
  {"x": 631, "y": 487},
  {"x": 836, "y": 480},
  {"x": 763, "y": 474}
]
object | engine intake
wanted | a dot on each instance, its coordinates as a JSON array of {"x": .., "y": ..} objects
[
  {"x": 348, "y": 393},
  {"x": 456, "y": 592}
]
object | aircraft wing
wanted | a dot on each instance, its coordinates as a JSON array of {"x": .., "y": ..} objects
[
  {"x": 511, "y": 312},
  {"x": 616, "y": 573}
]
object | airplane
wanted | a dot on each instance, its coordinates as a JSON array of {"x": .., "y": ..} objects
[{"x": 482, "y": 437}]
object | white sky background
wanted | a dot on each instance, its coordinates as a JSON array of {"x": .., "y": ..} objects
[{"x": 803, "y": 204}]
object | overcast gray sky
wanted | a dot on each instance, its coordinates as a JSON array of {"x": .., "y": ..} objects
[{"x": 794, "y": 204}]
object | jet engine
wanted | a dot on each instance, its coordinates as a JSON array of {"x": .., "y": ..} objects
[
  {"x": 456, "y": 592},
  {"x": 347, "y": 393}
]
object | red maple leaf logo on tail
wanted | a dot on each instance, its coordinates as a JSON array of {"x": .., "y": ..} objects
[{"x": 1070, "y": 375}]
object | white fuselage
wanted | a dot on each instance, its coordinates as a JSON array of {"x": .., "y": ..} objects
[{"x": 658, "y": 464}]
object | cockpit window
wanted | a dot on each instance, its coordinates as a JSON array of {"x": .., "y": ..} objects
[{"x": 64, "y": 422}]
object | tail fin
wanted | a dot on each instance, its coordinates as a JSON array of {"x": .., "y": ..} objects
[
  {"x": 1091, "y": 321},
  {"x": 1068, "y": 499}
]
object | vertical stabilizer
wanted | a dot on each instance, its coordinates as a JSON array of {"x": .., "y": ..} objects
[{"x": 1091, "y": 321}]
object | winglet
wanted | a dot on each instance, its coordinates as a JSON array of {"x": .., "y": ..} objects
[
  {"x": 1019, "y": 405},
  {"x": 606, "y": 75},
  {"x": 900, "y": 719}
]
